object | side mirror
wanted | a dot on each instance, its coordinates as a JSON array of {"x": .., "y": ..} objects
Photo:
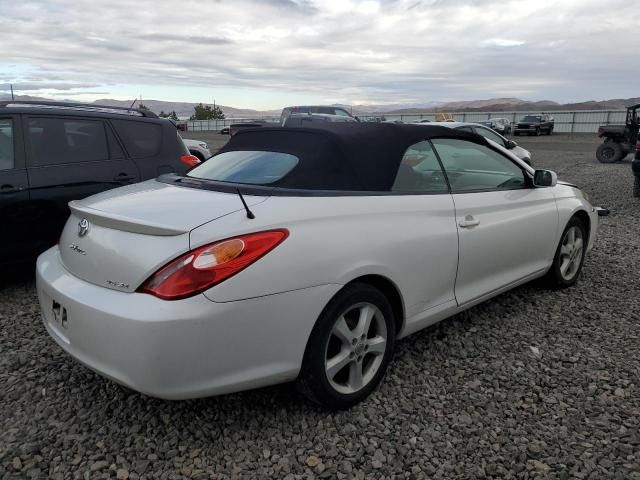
[
  {"x": 357, "y": 118},
  {"x": 510, "y": 144},
  {"x": 545, "y": 178}
]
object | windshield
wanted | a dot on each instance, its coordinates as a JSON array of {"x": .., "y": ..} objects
[
  {"x": 251, "y": 167},
  {"x": 531, "y": 118}
]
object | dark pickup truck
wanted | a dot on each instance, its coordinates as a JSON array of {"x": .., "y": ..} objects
[{"x": 535, "y": 125}]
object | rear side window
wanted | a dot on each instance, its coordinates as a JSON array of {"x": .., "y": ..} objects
[
  {"x": 251, "y": 167},
  {"x": 420, "y": 171},
  {"x": 141, "y": 139},
  {"x": 7, "y": 159},
  {"x": 54, "y": 141}
]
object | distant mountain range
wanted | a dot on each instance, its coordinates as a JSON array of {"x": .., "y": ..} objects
[{"x": 185, "y": 109}]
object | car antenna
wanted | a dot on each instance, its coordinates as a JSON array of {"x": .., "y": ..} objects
[{"x": 249, "y": 212}]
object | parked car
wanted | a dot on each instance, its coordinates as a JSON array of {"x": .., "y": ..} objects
[
  {"x": 635, "y": 168},
  {"x": 314, "y": 109},
  {"x": 224, "y": 130},
  {"x": 197, "y": 148},
  {"x": 306, "y": 264},
  {"x": 236, "y": 127},
  {"x": 51, "y": 153},
  {"x": 535, "y": 125},
  {"x": 489, "y": 134},
  {"x": 500, "y": 125},
  {"x": 619, "y": 140},
  {"x": 313, "y": 119}
]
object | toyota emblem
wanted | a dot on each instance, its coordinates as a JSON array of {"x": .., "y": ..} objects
[{"x": 83, "y": 227}]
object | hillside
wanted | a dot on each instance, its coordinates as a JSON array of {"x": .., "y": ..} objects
[{"x": 185, "y": 109}]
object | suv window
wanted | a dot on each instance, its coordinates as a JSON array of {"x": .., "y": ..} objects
[
  {"x": 141, "y": 139},
  {"x": 7, "y": 160},
  {"x": 472, "y": 167},
  {"x": 420, "y": 171},
  {"x": 341, "y": 113},
  {"x": 55, "y": 141}
]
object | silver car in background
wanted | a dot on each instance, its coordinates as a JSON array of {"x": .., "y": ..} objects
[{"x": 489, "y": 134}]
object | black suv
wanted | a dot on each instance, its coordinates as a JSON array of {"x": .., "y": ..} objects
[
  {"x": 51, "y": 153},
  {"x": 535, "y": 125}
]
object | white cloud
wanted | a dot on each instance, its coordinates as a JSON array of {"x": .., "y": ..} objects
[{"x": 343, "y": 50}]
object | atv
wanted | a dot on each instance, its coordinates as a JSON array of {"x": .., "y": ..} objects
[{"x": 619, "y": 140}]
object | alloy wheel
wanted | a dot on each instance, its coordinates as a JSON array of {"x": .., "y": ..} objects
[
  {"x": 571, "y": 252},
  {"x": 355, "y": 348}
]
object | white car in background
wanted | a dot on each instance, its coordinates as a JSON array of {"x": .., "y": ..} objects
[
  {"x": 487, "y": 133},
  {"x": 197, "y": 148},
  {"x": 302, "y": 254}
]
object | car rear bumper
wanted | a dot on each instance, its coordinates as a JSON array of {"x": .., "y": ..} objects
[{"x": 177, "y": 349}]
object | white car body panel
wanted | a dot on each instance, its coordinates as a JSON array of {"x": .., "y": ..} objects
[
  {"x": 344, "y": 225},
  {"x": 197, "y": 146},
  {"x": 230, "y": 337},
  {"x": 521, "y": 225}
]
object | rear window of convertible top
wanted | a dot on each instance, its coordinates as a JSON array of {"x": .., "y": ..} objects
[{"x": 249, "y": 167}]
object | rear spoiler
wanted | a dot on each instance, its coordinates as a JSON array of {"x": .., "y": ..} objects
[{"x": 120, "y": 222}]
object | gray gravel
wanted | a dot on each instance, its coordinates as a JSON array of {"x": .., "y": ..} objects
[{"x": 533, "y": 384}]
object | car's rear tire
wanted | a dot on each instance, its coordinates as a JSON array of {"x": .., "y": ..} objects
[
  {"x": 349, "y": 348},
  {"x": 609, "y": 152},
  {"x": 636, "y": 187},
  {"x": 569, "y": 257},
  {"x": 537, "y": 131},
  {"x": 550, "y": 131}
]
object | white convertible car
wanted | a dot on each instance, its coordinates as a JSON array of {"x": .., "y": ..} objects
[{"x": 302, "y": 254}]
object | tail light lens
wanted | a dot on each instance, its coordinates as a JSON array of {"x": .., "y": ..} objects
[
  {"x": 190, "y": 160},
  {"x": 204, "y": 267}
]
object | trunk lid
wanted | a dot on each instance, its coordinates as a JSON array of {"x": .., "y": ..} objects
[{"x": 118, "y": 238}]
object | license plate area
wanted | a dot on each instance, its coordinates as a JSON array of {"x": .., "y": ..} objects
[{"x": 59, "y": 316}]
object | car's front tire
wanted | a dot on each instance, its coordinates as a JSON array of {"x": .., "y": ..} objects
[
  {"x": 349, "y": 348},
  {"x": 569, "y": 257}
]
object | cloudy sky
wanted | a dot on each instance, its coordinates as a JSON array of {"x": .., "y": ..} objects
[{"x": 268, "y": 53}]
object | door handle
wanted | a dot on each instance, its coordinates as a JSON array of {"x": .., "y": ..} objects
[
  {"x": 469, "y": 222},
  {"x": 10, "y": 189},
  {"x": 123, "y": 177}
]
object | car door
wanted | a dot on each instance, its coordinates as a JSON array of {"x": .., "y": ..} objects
[
  {"x": 69, "y": 158},
  {"x": 506, "y": 227},
  {"x": 15, "y": 220}
]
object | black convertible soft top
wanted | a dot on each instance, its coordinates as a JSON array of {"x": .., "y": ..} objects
[{"x": 343, "y": 156}]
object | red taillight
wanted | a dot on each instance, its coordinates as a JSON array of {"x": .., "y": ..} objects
[
  {"x": 190, "y": 160},
  {"x": 204, "y": 267},
  {"x": 638, "y": 146}
]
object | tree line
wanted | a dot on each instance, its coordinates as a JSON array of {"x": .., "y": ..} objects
[{"x": 200, "y": 112}]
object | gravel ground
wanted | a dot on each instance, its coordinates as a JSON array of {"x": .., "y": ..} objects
[{"x": 532, "y": 384}]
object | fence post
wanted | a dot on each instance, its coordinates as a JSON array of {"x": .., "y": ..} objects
[
  {"x": 573, "y": 120},
  {"x": 464, "y": 116},
  {"x": 608, "y": 116}
]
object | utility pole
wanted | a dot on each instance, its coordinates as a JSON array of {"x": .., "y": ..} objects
[{"x": 12, "y": 97}]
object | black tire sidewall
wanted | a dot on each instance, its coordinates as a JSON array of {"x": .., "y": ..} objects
[
  {"x": 617, "y": 148},
  {"x": 312, "y": 381},
  {"x": 554, "y": 274}
]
